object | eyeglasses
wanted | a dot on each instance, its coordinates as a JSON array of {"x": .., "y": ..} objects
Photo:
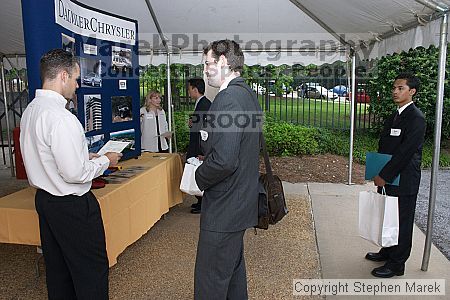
[{"x": 207, "y": 63}]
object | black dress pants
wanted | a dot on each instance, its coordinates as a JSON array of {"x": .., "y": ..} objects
[
  {"x": 73, "y": 244},
  {"x": 399, "y": 254}
]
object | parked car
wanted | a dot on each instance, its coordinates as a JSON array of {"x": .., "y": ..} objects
[
  {"x": 92, "y": 79},
  {"x": 341, "y": 90},
  {"x": 121, "y": 63},
  {"x": 124, "y": 111},
  {"x": 361, "y": 96},
  {"x": 259, "y": 89},
  {"x": 316, "y": 91},
  {"x": 273, "y": 89}
]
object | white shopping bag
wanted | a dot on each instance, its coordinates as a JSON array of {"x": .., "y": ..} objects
[
  {"x": 378, "y": 218},
  {"x": 188, "y": 184}
]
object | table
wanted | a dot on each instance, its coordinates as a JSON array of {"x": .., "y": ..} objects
[{"x": 129, "y": 209}]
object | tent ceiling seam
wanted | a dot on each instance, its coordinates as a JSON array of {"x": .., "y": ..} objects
[
  {"x": 405, "y": 27},
  {"x": 154, "y": 52}
]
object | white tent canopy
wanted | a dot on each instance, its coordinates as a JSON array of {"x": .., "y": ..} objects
[{"x": 286, "y": 27}]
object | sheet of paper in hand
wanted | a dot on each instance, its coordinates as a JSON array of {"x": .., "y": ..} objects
[{"x": 113, "y": 146}]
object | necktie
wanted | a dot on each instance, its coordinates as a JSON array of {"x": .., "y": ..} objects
[{"x": 396, "y": 117}]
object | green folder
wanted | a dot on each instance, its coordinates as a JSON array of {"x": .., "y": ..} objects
[{"x": 375, "y": 162}]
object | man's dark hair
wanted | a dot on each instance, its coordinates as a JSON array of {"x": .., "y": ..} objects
[
  {"x": 197, "y": 83},
  {"x": 55, "y": 61},
  {"x": 229, "y": 49},
  {"x": 412, "y": 81}
]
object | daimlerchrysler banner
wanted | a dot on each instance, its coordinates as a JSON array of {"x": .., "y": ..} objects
[{"x": 91, "y": 23}]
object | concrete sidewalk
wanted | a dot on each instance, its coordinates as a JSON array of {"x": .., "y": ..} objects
[{"x": 341, "y": 250}]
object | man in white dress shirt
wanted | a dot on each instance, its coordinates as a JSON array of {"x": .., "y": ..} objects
[{"x": 59, "y": 166}]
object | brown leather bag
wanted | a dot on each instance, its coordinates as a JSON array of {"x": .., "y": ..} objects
[{"x": 271, "y": 203}]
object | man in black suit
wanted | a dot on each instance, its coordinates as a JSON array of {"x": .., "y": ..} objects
[
  {"x": 196, "y": 90},
  {"x": 402, "y": 137},
  {"x": 228, "y": 176}
]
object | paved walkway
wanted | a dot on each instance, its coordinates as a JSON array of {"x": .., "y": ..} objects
[{"x": 341, "y": 250}]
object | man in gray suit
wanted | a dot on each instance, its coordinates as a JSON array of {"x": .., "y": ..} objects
[{"x": 228, "y": 176}]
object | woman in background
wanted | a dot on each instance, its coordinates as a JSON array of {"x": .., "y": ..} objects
[{"x": 154, "y": 127}]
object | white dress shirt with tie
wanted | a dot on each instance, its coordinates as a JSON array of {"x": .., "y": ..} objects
[{"x": 54, "y": 147}]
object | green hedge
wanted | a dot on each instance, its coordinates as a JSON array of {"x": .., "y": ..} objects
[
  {"x": 182, "y": 130},
  {"x": 286, "y": 139}
]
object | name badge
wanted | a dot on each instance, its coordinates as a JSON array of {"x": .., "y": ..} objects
[
  {"x": 204, "y": 135},
  {"x": 149, "y": 116},
  {"x": 395, "y": 132}
]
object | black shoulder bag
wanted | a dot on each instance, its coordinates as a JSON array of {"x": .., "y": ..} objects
[{"x": 271, "y": 202}]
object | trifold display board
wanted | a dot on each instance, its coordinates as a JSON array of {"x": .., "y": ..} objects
[{"x": 107, "y": 101}]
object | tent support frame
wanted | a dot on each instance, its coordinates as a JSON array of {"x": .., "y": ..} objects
[
  {"x": 437, "y": 139},
  {"x": 169, "y": 89},
  {"x": 169, "y": 100},
  {"x": 352, "y": 115},
  {"x": 8, "y": 129},
  {"x": 433, "y": 4}
]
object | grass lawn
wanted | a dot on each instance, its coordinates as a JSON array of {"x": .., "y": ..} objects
[{"x": 315, "y": 112}]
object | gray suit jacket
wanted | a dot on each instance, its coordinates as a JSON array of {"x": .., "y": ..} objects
[{"x": 229, "y": 174}]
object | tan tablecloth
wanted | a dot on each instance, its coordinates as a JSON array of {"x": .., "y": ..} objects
[{"x": 129, "y": 209}]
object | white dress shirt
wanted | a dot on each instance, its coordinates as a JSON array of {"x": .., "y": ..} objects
[
  {"x": 228, "y": 79},
  {"x": 54, "y": 147},
  {"x": 149, "y": 133},
  {"x": 401, "y": 109},
  {"x": 197, "y": 101}
]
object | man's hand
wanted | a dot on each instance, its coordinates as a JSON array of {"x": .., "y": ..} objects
[
  {"x": 200, "y": 157},
  {"x": 167, "y": 134},
  {"x": 378, "y": 181},
  {"x": 93, "y": 155},
  {"x": 113, "y": 158}
]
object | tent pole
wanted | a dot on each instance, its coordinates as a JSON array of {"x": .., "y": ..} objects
[
  {"x": 437, "y": 139},
  {"x": 352, "y": 116},
  {"x": 169, "y": 90},
  {"x": 8, "y": 129},
  {"x": 155, "y": 20},
  {"x": 433, "y": 4},
  {"x": 169, "y": 99}
]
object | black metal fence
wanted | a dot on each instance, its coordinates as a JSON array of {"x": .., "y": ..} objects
[
  {"x": 309, "y": 98},
  {"x": 317, "y": 101},
  {"x": 16, "y": 99},
  {"x": 154, "y": 78}
]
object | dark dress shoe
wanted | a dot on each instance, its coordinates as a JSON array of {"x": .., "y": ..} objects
[
  {"x": 196, "y": 210},
  {"x": 375, "y": 256},
  {"x": 385, "y": 272},
  {"x": 194, "y": 205}
]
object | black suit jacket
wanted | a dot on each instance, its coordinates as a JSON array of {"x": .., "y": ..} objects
[
  {"x": 406, "y": 150},
  {"x": 198, "y": 122},
  {"x": 229, "y": 174}
]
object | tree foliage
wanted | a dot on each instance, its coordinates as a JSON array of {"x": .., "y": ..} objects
[{"x": 422, "y": 62}]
